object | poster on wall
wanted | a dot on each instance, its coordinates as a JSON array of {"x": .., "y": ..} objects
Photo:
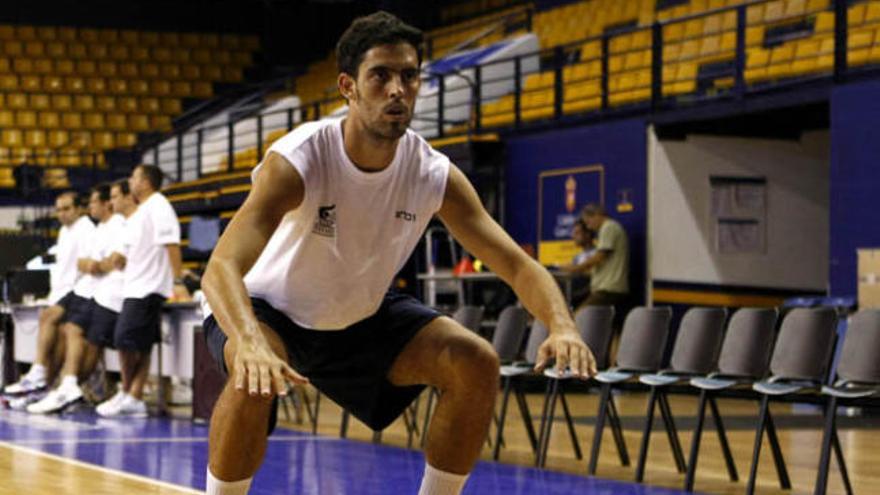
[{"x": 562, "y": 193}]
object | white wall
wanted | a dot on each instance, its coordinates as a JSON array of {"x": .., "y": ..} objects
[
  {"x": 9, "y": 216},
  {"x": 797, "y": 202}
]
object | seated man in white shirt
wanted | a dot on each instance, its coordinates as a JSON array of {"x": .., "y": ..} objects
[{"x": 73, "y": 243}]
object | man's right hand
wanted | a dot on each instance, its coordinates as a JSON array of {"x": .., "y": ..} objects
[{"x": 264, "y": 373}]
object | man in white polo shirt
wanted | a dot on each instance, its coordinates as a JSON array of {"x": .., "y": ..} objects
[
  {"x": 74, "y": 240},
  {"x": 86, "y": 334},
  {"x": 152, "y": 265}
]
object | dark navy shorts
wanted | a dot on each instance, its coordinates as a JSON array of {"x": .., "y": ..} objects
[
  {"x": 77, "y": 310},
  {"x": 349, "y": 366},
  {"x": 103, "y": 326},
  {"x": 139, "y": 324}
]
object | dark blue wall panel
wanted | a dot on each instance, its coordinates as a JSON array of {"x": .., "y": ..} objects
[
  {"x": 621, "y": 147},
  {"x": 855, "y": 180}
]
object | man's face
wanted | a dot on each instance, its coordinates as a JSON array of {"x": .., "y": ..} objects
[
  {"x": 383, "y": 96},
  {"x": 578, "y": 235},
  {"x": 593, "y": 222},
  {"x": 98, "y": 209},
  {"x": 65, "y": 210},
  {"x": 138, "y": 183},
  {"x": 117, "y": 199}
]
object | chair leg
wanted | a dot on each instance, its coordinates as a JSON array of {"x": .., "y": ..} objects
[
  {"x": 343, "y": 427},
  {"x": 617, "y": 432},
  {"x": 285, "y": 407},
  {"x": 671, "y": 432},
  {"x": 499, "y": 430},
  {"x": 574, "y": 439},
  {"x": 841, "y": 463},
  {"x": 317, "y": 410},
  {"x": 597, "y": 431},
  {"x": 722, "y": 439},
  {"x": 526, "y": 417},
  {"x": 781, "y": 470},
  {"x": 759, "y": 437},
  {"x": 551, "y": 415},
  {"x": 825, "y": 452},
  {"x": 646, "y": 436},
  {"x": 543, "y": 426},
  {"x": 695, "y": 443}
]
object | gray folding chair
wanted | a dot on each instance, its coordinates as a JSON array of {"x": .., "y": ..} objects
[
  {"x": 744, "y": 358},
  {"x": 800, "y": 363},
  {"x": 695, "y": 353},
  {"x": 506, "y": 340},
  {"x": 642, "y": 343},
  {"x": 470, "y": 317},
  {"x": 858, "y": 377},
  {"x": 510, "y": 374},
  {"x": 594, "y": 324}
]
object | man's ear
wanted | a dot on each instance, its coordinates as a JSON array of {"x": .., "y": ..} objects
[{"x": 346, "y": 84}]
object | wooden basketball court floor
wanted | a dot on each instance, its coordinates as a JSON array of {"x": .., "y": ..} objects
[{"x": 79, "y": 452}]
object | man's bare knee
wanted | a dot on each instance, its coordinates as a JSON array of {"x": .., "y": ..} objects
[{"x": 479, "y": 364}]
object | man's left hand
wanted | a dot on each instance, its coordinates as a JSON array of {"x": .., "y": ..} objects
[{"x": 570, "y": 351}]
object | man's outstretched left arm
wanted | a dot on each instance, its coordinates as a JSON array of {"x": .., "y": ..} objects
[{"x": 470, "y": 224}]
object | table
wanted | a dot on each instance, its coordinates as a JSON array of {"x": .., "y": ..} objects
[{"x": 563, "y": 278}]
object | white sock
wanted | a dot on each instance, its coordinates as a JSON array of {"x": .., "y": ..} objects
[
  {"x": 436, "y": 482},
  {"x": 37, "y": 372},
  {"x": 217, "y": 487},
  {"x": 69, "y": 381}
]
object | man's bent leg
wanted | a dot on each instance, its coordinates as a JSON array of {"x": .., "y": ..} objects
[
  {"x": 141, "y": 373},
  {"x": 48, "y": 334},
  {"x": 237, "y": 440},
  {"x": 76, "y": 348},
  {"x": 464, "y": 367}
]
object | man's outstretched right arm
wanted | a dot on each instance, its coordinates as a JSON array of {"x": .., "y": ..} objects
[{"x": 277, "y": 189}]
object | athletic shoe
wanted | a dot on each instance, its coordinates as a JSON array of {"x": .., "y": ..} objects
[
  {"x": 56, "y": 400},
  {"x": 110, "y": 403},
  {"x": 127, "y": 407},
  {"x": 20, "y": 402},
  {"x": 26, "y": 385}
]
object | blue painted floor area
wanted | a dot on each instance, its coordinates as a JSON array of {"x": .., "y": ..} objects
[{"x": 175, "y": 451}]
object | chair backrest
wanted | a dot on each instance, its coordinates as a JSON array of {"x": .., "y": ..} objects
[
  {"x": 805, "y": 344},
  {"x": 748, "y": 343},
  {"x": 594, "y": 323},
  {"x": 469, "y": 317},
  {"x": 509, "y": 332},
  {"x": 644, "y": 338},
  {"x": 699, "y": 340},
  {"x": 861, "y": 346},
  {"x": 537, "y": 336}
]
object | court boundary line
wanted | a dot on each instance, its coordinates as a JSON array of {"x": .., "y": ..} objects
[{"x": 102, "y": 469}]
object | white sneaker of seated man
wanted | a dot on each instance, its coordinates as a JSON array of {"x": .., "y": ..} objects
[
  {"x": 66, "y": 394},
  {"x": 122, "y": 405},
  {"x": 33, "y": 381}
]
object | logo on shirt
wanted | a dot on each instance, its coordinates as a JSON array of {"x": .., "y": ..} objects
[
  {"x": 325, "y": 224},
  {"x": 406, "y": 216}
]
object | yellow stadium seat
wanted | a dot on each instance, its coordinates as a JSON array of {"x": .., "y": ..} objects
[
  {"x": 149, "y": 105},
  {"x": 856, "y": 14},
  {"x": 17, "y": 101},
  {"x": 139, "y": 122},
  {"x": 56, "y": 49},
  {"x": 49, "y": 120},
  {"x": 104, "y": 140},
  {"x": 107, "y": 68},
  {"x": 215, "y": 73},
  {"x": 170, "y": 71},
  {"x": 128, "y": 69},
  {"x": 71, "y": 120},
  {"x": 34, "y": 49},
  {"x": 160, "y": 88},
  {"x": 774, "y": 11},
  {"x": 189, "y": 40},
  {"x": 150, "y": 70},
  {"x": 794, "y": 8},
  {"x": 77, "y": 51},
  {"x": 250, "y": 42},
  {"x": 35, "y": 138},
  {"x": 62, "y": 102},
  {"x": 66, "y": 34},
  {"x": 98, "y": 51},
  {"x": 169, "y": 39},
  {"x": 74, "y": 84},
  {"x": 39, "y": 101},
  {"x": 84, "y": 103},
  {"x": 127, "y": 104},
  {"x": 109, "y": 36},
  {"x": 85, "y": 68},
  {"x": 119, "y": 53},
  {"x": 7, "y": 33},
  {"x": 139, "y": 53},
  {"x": 171, "y": 106},
  {"x": 162, "y": 54},
  {"x": 13, "y": 48},
  {"x": 181, "y": 55},
  {"x": 25, "y": 118},
  {"x": 202, "y": 89},
  {"x": 7, "y": 118},
  {"x": 118, "y": 86},
  {"x": 181, "y": 89},
  {"x": 221, "y": 57},
  {"x": 105, "y": 103},
  {"x": 94, "y": 121},
  {"x": 58, "y": 138},
  {"x": 81, "y": 139},
  {"x": 160, "y": 123},
  {"x": 191, "y": 72},
  {"x": 872, "y": 14},
  {"x": 96, "y": 85},
  {"x": 117, "y": 121},
  {"x": 232, "y": 74},
  {"x": 53, "y": 84},
  {"x": 209, "y": 40},
  {"x": 11, "y": 138},
  {"x": 242, "y": 58},
  {"x": 202, "y": 56},
  {"x": 65, "y": 67},
  {"x": 5, "y": 65},
  {"x": 22, "y": 65},
  {"x": 129, "y": 37},
  {"x": 230, "y": 41},
  {"x": 150, "y": 38},
  {"x": 581, "y": 96},
  {"x": 31, "y": 83},
  {"x": 88, "y": 35},
  {"x": 126, "y": 139},
  {"x": 43, "y": 66},
  {"x": 47, "y": 33},
  {"x": 139, "y": 87}
]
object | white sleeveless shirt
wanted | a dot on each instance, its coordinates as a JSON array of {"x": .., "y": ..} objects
[{"x": 332, "y": 259}]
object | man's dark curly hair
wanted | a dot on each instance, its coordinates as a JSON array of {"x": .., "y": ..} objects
[{"x": 380, "y": 28}]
